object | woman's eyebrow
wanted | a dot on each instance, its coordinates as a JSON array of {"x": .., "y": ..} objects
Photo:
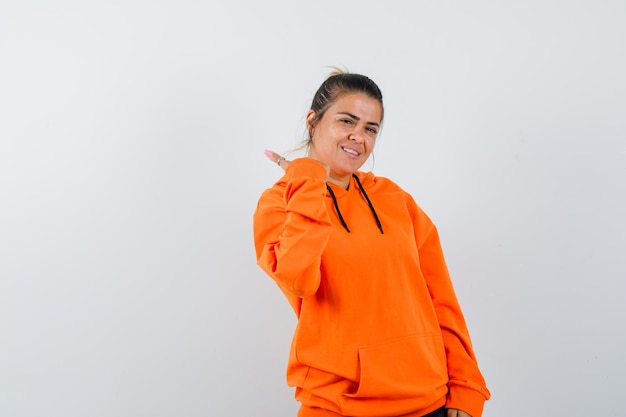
[{"x": 358, "y": 118}]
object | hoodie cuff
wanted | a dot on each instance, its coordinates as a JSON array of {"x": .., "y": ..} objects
[{"x": 468, "y": 400}]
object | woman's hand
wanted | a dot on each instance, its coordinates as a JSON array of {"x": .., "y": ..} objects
[
  {"x": 277, "y": 159},
  {"x": 453, "y": 412},
  {"x": 284, "y": 163}
]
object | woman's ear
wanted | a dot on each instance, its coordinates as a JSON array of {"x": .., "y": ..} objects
[{"x": 311, "y": 117}]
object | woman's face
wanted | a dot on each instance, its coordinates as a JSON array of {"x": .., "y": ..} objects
[{"x": 345, "y": 136}]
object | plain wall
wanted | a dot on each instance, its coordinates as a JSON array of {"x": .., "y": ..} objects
[{"x": 131, "y": 160}]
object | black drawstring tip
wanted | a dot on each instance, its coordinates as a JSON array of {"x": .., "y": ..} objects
[
  {"x": 343, "y": 222},
  {"x": 369, "y": 203}
]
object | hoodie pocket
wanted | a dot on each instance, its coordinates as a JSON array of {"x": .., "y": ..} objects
[{"x": 412, "y": 367}]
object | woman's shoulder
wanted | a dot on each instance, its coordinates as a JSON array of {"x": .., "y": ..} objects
[
  {"x": 369, "y": 180},
  {"x": 374, "y": 185}
]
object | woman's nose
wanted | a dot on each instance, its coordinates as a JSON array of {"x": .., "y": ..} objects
[{"x": 356, "y": 137}]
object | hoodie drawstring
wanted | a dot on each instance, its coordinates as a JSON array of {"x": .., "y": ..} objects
[
  {"x": 332, "y": 194},
  {"x": 369, "y": 203}
]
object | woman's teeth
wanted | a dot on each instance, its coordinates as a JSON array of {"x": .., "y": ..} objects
[{"x": 350, "y": 151}]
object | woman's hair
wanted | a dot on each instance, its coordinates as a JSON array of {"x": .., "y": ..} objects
[{"x": 342, "y": 82}]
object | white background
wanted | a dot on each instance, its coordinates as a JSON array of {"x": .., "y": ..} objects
[{"x": 131, "y": 160}]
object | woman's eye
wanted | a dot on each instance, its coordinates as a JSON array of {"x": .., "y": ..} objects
[
  {"x": 371, "y": 130},
  {"x": 346, "y": 121}
]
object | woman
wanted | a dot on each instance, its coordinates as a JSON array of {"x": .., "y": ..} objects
[{"x": 380, "y": 331}]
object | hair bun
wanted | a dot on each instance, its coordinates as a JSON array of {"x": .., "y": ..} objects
[{"x": 337, "y": 70}]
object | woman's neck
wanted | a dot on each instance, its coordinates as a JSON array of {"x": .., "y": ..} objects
[{"x": 341, "y": 181}]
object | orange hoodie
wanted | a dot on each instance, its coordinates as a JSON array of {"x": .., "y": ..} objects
[{"x": 380, "y": 331}]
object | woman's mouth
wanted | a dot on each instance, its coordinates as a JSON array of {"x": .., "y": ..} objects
[{"x": 351, "y": 152}]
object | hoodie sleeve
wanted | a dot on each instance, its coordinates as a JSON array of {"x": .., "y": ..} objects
[
  {"x": 467, "y": 388},
  {"x": 292, "y": 227}
]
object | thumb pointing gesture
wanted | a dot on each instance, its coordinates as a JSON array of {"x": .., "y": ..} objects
[{"x": 280, "y": 160}]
